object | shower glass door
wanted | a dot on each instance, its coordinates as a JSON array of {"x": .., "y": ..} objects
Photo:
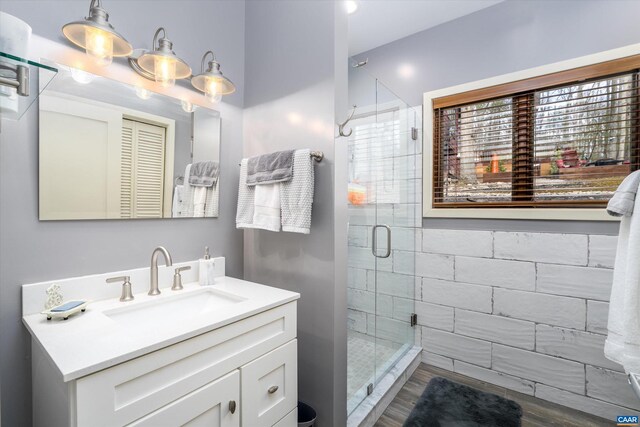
[{"x": 384, "y": 218}]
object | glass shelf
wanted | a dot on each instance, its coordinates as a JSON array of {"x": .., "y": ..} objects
[{"x": 12, "y": 105}]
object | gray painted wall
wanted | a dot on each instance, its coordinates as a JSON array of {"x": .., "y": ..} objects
[
  {"x": 290, "y": 102},
  {"x": 32, "y": 251},
  {"x": 511, "y": 36}
]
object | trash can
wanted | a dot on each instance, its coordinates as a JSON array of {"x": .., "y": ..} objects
[{"x": 306, "y": 415}]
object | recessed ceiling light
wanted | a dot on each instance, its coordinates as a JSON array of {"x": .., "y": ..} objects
[{"x": 352, "y": 6}]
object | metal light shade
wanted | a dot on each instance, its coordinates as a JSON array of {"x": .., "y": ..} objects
[
  {"x": 162, "y": 52},
  {"x": 213, "y": 74},
  {"x": 97, "y": 23}
]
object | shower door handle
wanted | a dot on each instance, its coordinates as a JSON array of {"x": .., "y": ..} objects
[{"x": 374, "y": 243}]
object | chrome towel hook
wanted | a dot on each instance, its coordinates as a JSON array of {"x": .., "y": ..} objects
[{"x": 342, "y": 125}]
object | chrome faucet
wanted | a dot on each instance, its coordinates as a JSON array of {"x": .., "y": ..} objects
[{"x": 153, "y": 283}]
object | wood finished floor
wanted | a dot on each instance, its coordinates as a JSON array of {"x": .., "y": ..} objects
[{"x": 536, "y": 412}]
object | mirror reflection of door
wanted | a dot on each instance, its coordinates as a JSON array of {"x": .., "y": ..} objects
[
  {"x": 142, "y": 170},
  {"x": 97, "y": 161}
]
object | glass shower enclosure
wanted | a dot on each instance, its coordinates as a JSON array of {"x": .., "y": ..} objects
[{"x": 384, "y": 220}]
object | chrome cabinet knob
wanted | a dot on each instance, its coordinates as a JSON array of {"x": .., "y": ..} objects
[{"x": 272, "y": 389}]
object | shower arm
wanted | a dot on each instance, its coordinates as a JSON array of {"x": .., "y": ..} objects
[{"x": 342, "y": 125}]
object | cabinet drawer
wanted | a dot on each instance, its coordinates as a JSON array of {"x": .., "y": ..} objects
[
  {"x": 270, "y": 386},
  {"x": 127, "y": 392},
  {"x": 289, "y": 420},
  {"x": 209, "y": 406}
]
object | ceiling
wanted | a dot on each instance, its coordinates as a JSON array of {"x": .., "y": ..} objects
[{"x": 378, "y": 22}]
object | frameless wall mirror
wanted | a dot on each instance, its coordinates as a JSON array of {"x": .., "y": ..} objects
[{"x": 109, "y": 150}]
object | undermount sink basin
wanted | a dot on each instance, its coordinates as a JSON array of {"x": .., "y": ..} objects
[{"x": 172, "y": 309}]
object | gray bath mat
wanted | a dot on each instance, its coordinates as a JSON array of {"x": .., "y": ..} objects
[{"x": 445, "y": 403}]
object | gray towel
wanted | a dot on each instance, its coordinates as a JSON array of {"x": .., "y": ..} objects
[
  {"x": 204, "y": 174},
  {"x": 622, "y": 201},
  {"x": 270, "y": 168}
]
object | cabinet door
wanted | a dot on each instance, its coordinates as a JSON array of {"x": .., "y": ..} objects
[
  {"x": 270, "y": 386},
  {"x": 210, "y": 405}
]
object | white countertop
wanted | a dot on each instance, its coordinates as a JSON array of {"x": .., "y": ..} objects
[{"x": 91, "y": 341}]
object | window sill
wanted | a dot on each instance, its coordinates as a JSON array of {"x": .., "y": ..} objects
[{"x": 576, "y": 214}]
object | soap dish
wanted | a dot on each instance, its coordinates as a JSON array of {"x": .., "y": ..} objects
[{"x": 65, "y": 310}]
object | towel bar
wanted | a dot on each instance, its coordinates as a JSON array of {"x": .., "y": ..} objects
[{"x": 315, "y": 155}]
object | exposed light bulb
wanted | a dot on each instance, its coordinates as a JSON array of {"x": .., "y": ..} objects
[
  {"x": 165, "y": 71},
  {"x": 142, "y": 93},
  {"x": 352, "y": 6},
  {"x": 82, "y": 77},
  {"x": 187, "y": 106},
  {"x": 99, "y": 45},
  {"x": 212, "y": 91}
]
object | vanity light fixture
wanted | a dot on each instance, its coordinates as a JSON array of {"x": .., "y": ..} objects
[
  {"x": 161, "y": 64},
  {"x": 352, "y": 6},
  {"x": 142, "y": 93},
  {"x": 212, "y": 82},
  {"x": 97, "y": 36},
  {"x": 187, "y": 107},
  {"x": 81, "y": 76}
]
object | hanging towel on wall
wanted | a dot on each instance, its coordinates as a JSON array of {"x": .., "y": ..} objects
[
  {"x": 623, "y": 340},
  {"x": 621, "y": 204},
  {"x": 270, "y": 168},
  {"x": 211, "y": 204},
  {"x": 297, "y": 194},
  {"x": 178, "y": 205},
  {"x": 266, "y": 207},
  {"x": 187, "y": 194},
  {"x": 244, "y": 214},
  {"x": 204, "y": 174},
  {"x": 199, "y": 201}
]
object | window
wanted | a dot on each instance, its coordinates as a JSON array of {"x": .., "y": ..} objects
[{"x": 561, "y": 140}]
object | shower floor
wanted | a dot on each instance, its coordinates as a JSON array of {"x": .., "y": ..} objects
[{"x": 364, "y": 355}]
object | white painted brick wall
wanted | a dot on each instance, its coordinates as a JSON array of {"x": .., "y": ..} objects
[
  {"x": 602, "y": 251},
  {"x": 570, "y": 249},
  {"x": 580, "y": 402},
  {"x": 575, "y": 345},
  {"x": 537, "y": 367},
  {"x": 461, "y": 295},
  {"x": 597, "y": 316},
  {"x": 458, "y": 242},
  {"x": 583, "y": 282},
  {"x": 541, "y": 308},
  {"x": 434, "y": 316},
  {"x": 609, "y": 385},
  {"x": 496, "y": 272},
  {"x": 437, "y": 360},
  {"x": 434, "y": 265},
  {"x": 494, "y": 377},
  {"x": 516, "y": 333},
  {"x": 457, "y": 347}
]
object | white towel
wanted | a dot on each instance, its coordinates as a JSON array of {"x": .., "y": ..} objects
[
  {"x": 297, "y": 194},
  {"x": 187, "y": 194},
  {"x": 621, "y": 204},
  {"x": 178, "y": 205},
  {"x": 244, "y": 214},
  {"x": 199, "y": 201},
  {"x": 266, "y": 213},
  {"x": 623, "y": 341},
  {"x": 211, "y": 204}
]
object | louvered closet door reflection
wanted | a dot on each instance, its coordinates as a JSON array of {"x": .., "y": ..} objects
[{"x": 142, "y": 159}]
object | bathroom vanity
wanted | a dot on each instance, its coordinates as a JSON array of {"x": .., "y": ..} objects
[{"x": 220, "y": 355}]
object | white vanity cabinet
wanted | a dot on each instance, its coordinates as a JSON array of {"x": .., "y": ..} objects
[{"x": 241, "y": 374}]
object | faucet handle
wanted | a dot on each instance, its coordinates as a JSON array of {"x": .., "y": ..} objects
[
  {"x": 177, "y": 278},
  {"x": 126, "y": 295}
]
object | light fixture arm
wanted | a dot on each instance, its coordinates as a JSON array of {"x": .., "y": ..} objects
[
  {"x": 204, "y": 58},
  {"x": 155, "y": 37}
]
